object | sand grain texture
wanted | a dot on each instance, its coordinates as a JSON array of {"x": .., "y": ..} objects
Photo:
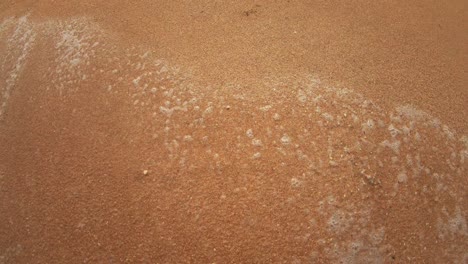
[{"x": 240, "y": 132}]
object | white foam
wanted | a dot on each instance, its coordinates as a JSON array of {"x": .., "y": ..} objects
[
  {"x": 411, "y": 113},
  {"x": 393, "y": 145},
  {"x": 295, "y": 182},
  {"x": 249, "y": 133},
  {"x": 21, "y": 42},
  {"x": 393, "y": 130},
  {"x": 301, "y": 96},
  {"x": 265, "y": 108},
  {"x": 402, "y": 177},
  {"x": 285, "y": 139},
  {"x": 454, "y": 225},
  {"x": 257, "y": 142},
  {"x": 276, "y": 117}
]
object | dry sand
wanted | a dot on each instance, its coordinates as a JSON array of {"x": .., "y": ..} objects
[{"x": 242, "y": 131}]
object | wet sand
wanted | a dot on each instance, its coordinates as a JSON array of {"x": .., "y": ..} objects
[{"x": 296, "y": 131}]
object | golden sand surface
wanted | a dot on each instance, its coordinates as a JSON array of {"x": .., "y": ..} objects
[{"x": 233, "y": 131}]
